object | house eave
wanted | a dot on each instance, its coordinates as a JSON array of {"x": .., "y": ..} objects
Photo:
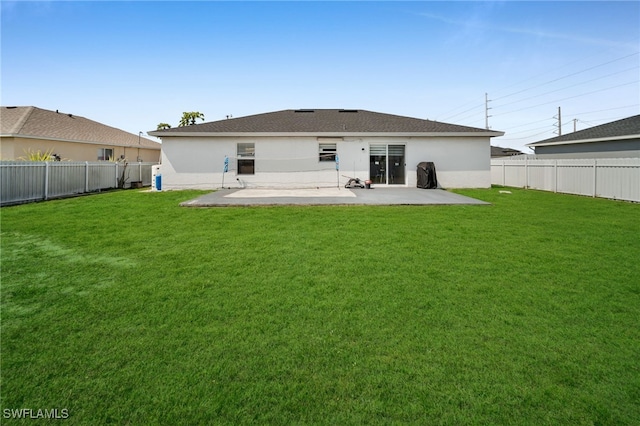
[
  {"x": 604, "y": 139},
  {"x": 16, "y": 135},
  {"x": 161, "y": 134}
]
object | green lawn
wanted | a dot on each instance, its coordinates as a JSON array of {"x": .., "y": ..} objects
[{"x": 126, "y": 308}]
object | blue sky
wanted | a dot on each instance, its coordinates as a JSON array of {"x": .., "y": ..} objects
[{"x": 133, "y": 65}]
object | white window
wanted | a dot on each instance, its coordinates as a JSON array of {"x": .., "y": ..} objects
[
  {"x": 327, "y": 152},
  {"x": 105, "y": 154},
  {"x": 246, "y": 158}
]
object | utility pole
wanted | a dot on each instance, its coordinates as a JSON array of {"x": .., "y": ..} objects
[
  {"x": 559, "y": 117},
  {"x": 486, "y": 111},
  {"x": 559, "y": 122}
]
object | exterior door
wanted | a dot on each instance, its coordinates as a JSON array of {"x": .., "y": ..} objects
[{"x": 386, "y": 164}]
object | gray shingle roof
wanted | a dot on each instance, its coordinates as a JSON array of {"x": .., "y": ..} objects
[
  {"x": 323, "y": 121},
  {"x": 498, "y": 151},
  {"x": 626, "y": 127},
  {"x": 41, "y": 123}
]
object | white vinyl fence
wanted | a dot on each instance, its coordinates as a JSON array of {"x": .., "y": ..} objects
[
  {"x": 24, "y": 181},
  {"x": 615, "y": 178}
]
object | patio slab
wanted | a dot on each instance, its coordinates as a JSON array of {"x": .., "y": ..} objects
[{"x": 330, "y": 196}]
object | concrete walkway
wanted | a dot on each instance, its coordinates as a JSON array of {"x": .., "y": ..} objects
[{"x": 329, "y": 196}]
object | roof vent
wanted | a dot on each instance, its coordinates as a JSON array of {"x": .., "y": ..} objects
[
  {"x": 347, "y": 110},
  {"x": 304, "y": 110}
]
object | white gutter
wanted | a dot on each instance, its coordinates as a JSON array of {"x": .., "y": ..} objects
[
  {"x": 45, "y": 138},
  {"x": 160, "y": 134}
]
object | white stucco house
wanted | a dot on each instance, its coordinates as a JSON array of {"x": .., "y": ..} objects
[{"x": 310, "y": 148}]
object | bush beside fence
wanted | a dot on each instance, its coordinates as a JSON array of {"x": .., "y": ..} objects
[
  {"x": 615, "y": 178},
  {"x": 25, "y": 181}
]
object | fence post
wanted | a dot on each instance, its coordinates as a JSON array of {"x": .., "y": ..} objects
[
  {"x": 555, "y": 175},
  {"x": 86, "y": 176},
  {"x": 526, "y": 173},
  {"x": 503, "y": 174},
  {"x": 46, "y": 180},
  {"x": 116, "y": 175},
  {"x": 595, "y": 176}
]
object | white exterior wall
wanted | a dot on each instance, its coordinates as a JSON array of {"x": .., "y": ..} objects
[
  {"x": 198, "y": 162},
  {"x": 461, "y": 162}
]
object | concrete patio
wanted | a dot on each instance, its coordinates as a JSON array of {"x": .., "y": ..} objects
[{"x": 330, "y": 196}]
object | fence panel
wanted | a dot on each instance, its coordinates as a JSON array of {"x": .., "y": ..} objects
[
  {"x": 146, "y": 173},
  {"x": 24, "y": 181},
  {"x": 101, "y": 176},
  {"x": 65, "y": 179},
  {"x": 576, "y": 177},
  {"x": 542, "y": 175},
  {"x": 137, "y": 172},
  {"x": 617, "y": 178},
  {"x": 21, "y": 182},
  {"x": 516, "y": 174}
]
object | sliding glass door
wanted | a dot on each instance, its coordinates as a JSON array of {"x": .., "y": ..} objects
[{"x": 386, "y": 164}]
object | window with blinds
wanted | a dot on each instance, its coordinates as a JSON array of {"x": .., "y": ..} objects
[
  {"x": 327, "y": 152},
  {"x": 246, "y": 158}
]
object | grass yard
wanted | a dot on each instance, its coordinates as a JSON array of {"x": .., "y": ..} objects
[{"x": 126, "y": 308}]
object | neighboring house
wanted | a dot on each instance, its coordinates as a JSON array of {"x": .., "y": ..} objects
[
  {"x": 69, "y": 136},
  {"x": 499, "y": 152},
  {"x": 303, "y": 148},
  {"x": 618, "y": 139}
]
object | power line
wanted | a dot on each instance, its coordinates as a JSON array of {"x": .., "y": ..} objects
[
  {"x": 567, "y": 87},
  {"x": 477, "y": 106},
  {"x": 526, "y": 137},
  {"x": 570, "y": 97},
  {"x": 600, "y": 121},
  {"x": 555, "y": 69},
  {"x": 507, "y": 129},
  {"x": 568, "y": 75},
  {"x": 608, "y": 109},
  {"x": 446, "y": 114},
  {"x": 595, "y": 122},
  {"x": 528, "y": 130},
  {"x": 463, "y": 112},
  {"x": 531, "y": 122}
]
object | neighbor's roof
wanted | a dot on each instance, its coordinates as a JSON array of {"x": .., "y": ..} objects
[
  {"x": 627, "y": 128},
  {"x": 33, "y": 122},
  {"x": 335, "y": 122},
  {"x": 498, "y": 151}
]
